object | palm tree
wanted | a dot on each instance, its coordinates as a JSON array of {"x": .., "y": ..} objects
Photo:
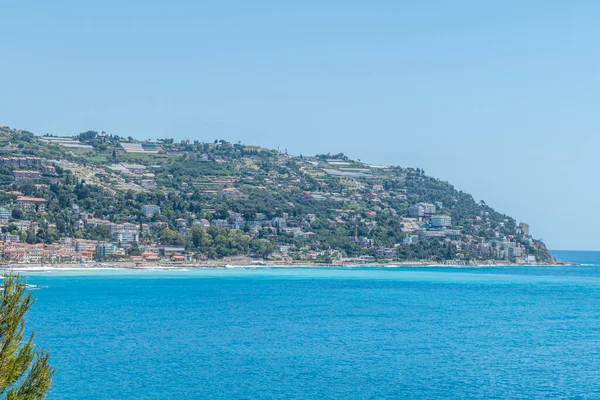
[{"x": 25, "y": 374}]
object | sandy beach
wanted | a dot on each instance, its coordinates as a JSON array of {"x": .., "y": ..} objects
[{"x": 256, "y": 264}]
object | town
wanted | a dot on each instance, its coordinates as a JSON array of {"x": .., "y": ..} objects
[{"x": 96, "y": 197}]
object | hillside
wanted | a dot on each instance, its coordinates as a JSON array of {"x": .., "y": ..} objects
[{"x": 104, "y": 197}]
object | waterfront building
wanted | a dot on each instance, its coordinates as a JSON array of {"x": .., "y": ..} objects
[
  {"x": 104, "y": 249},
  {"x": 82, "y": 245}
]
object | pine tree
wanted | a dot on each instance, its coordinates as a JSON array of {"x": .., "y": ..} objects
[{"x": 24, "y": 373}]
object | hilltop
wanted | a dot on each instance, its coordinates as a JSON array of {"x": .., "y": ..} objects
[{"x": 97, "y": 196}]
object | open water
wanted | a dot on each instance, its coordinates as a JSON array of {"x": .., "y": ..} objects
[{"x": 361, "y": 333}]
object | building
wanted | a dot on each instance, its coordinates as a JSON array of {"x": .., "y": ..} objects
[
  {"x": 170, "y": 251},
  {"x": 22, "y": 226},
  {"x": 126, "y": 227},
  {"x": 105, "y": 249},
  {"x": 125, "y": 237},
  {"x": 23, "y": 175},
  {"x": 48, "y": 170},
  {"x": 420, "y": 210},
  {"x": 18, "y": 161},
  {"x": 126, "y": 233},
  {"x": 410, "y": 239},
  {"x": 236, "y": 221},
  {"x": 150, "y": 210},
  {"x": 93, "y": 222},
  {"x": 410, "y": 225},
  {"x": 229, "y": 191},
  {"x": 5, "y": 215},
  {"x": 150, "y": 256},
  {"x": 432, "y": 235},
  {"x": 219, "y": 223},
  {"x": 31, "y": 203},
  {"x": 440, "y": 221},
  {"x": 365, "y": 243},
  {"x": 386, "y": 252},
  {"x": 148, "y": 184},
  {"x": 279, "y": 222},
  {"x": 428, "y": 208},
  {"x": 260, "y": 217},
  {"x": 82, "y": 245},
  {"x": 201, "y": 222},
  {"x": 453, "y": 234},
  {"x": 416, "y": 211},
  {"x": 524, "y": 227},
  {"x": 181, "y": 224},
  {"x": 10, "y": 238},
  {"x": 515, "y": 252}
]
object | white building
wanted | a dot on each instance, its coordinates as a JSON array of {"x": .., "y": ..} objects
[
  {"x": 125, "y": 237},
  {"x": 104, "y": 249},
  {"x": 5, "y": 215},
  {"x": 440, "y": 221}
]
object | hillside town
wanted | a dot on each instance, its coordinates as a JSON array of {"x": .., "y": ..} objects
[{"x": 96, "y": 197}]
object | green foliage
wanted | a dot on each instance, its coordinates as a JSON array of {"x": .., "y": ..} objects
[
  {"x": 431, "y": 250},
  {"x": 191, "y": 177},
  {"x": 24, "y": 373}
]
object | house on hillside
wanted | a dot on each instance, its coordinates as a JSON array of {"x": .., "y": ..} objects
[
  {"x": 23, "y": 175},
  {"x": 31, "y": 203}
]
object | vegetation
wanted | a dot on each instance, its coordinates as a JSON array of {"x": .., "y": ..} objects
[
  {"x": 242, "y": 191},
  {"x": 25, "y": 374}
]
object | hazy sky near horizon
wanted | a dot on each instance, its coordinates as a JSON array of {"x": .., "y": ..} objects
[{"x": 499, "y": 98}]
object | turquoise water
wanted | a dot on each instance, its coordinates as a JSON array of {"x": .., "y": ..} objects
[{"x": 458, "y": 333}]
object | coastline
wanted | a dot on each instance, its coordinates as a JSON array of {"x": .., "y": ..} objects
[{"x": 223, "y": 264}]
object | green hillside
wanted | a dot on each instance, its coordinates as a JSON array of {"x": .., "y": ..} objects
[{"x": 220, "y": 199}]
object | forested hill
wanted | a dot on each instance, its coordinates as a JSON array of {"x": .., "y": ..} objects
[{"x": 218, "y": 199}]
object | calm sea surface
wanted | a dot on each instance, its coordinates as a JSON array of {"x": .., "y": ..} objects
[{"x": 361, "y": 333}]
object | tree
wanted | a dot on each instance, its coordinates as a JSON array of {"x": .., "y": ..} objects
[
  {"x": 17, "y": 214},
  {"x": 24, "y": 373}
]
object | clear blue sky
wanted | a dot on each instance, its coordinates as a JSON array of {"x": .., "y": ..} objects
[{"x": 499, "y": 98}]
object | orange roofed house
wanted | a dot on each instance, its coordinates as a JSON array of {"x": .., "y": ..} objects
[
  {"x": 22, "y": 175},
  {"x": 31, "y": 203}
]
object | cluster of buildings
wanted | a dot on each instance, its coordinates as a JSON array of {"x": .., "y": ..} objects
[
  {"x": 69, "y": 250},
  {"x": 509, "y": 250},
  {"x": 276, "y": 225},
  {"x": 355, "y": 184},
  {"x": 20, "y": 161}
]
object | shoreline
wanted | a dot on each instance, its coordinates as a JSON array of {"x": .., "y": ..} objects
[{"x": 220, "y": 264}]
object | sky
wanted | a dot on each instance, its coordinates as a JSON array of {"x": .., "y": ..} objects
[{"x": 500, "y": 98}]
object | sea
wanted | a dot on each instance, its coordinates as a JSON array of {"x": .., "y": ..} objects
[{"x": 322, "y": 333}]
